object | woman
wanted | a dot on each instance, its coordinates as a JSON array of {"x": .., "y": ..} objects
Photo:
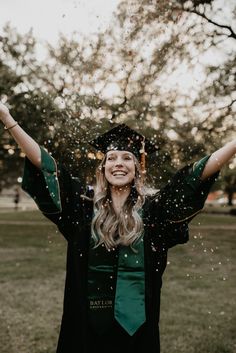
[{"x": 117, "y": 239}]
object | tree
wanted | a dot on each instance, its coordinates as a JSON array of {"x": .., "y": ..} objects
[
  {"x": 126, "y": 75},
  {"x": 207, "y": 107}
]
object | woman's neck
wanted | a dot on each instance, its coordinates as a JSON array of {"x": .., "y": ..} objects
[{"x": 119, "y": 196}]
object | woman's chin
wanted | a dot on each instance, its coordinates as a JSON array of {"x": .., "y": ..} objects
[{"x": 119, "y": 183}]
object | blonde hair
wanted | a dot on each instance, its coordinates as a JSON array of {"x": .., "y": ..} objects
[{"x": 107, "y": 227}]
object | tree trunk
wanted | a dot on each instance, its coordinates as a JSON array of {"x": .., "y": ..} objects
[{"x": 230, "y": 198}]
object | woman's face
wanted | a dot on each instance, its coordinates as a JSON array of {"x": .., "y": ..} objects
[{"x": 119, "y": 168}]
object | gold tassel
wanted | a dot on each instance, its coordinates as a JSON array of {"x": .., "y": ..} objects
[{"x": 143, "y": 159}]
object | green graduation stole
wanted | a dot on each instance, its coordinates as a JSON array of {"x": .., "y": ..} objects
[
  {"x": 118, "y": 295},
  {"x": 129, "y": 307},
  {"x": 101, "y": 287}
]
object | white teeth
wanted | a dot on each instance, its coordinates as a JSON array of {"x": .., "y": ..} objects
[{"x": 119, "y": 174}]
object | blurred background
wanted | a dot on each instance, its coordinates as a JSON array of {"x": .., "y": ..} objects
[{"x": 69, "y": 70}]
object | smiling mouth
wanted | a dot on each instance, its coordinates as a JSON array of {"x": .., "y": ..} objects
[{"x": 119, "y": 174}]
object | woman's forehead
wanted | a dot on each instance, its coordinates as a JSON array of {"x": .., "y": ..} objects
[{"x": 119, "y": 152}]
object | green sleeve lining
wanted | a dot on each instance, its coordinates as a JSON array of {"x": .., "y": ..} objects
[
  {"x": 186, "y": 195},
  {"x": 194, "y": 178},
  {"x": 42, "y": 184}
]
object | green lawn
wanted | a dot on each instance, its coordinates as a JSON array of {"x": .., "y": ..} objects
[{"x": 198, "y": 295}]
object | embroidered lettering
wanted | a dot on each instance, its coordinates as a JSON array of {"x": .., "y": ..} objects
[{"x": 100, "y": 304}]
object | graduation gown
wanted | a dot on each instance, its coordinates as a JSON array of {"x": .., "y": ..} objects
[{"x": 166, "y": 215}]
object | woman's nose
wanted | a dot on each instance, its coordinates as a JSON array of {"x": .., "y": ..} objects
[{"x": 119, "y": 162}]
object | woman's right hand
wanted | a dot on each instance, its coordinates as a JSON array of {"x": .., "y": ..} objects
[
  {"x": 4, "y": 112},
  {"x": 24, "y": 141}
]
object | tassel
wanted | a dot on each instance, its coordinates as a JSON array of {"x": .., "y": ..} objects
[{"x": 143, "y": 159}]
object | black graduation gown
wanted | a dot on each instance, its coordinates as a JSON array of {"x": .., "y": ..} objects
[{"x": 165, "y": 216}]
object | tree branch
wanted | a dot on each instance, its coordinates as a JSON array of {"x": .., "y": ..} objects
[
  {"x": 232, "y": 33},
  {"x": 229, "y": 105}
]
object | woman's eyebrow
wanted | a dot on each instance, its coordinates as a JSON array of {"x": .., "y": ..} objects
[{"x": 123, "y": 154}]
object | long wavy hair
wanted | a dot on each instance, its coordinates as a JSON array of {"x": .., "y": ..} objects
[{"x": 107, "y": 227}]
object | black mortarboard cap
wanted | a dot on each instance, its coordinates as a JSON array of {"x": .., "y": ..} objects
[{"x": 123, "y": 138}]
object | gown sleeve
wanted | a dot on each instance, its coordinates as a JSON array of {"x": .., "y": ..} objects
[
  {"x": 174, "y": 206},
  {"x": 184, "y": 197},
  {"x": 51, "y": 189}
]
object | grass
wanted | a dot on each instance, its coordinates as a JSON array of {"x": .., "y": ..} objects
[
  {"x": 7, "y": 215},
  {"x": 198, "y": 294},
  {"x": 198, "y": 300},
  {"x": 32, "y": 269},
  {"x": 213, "y": 220}
]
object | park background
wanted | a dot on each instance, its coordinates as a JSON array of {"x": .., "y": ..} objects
[{"x": 167, "y": 69}]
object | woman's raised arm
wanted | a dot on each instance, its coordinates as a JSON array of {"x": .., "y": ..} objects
[
  {"x": 218, "y": 159},
  {"x": 24, "y": 141}
]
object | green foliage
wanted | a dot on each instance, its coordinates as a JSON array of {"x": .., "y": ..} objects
[{"x": 127, "y": 74}]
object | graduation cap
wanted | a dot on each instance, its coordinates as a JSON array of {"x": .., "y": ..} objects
[{"x": 123, "y": 138}]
